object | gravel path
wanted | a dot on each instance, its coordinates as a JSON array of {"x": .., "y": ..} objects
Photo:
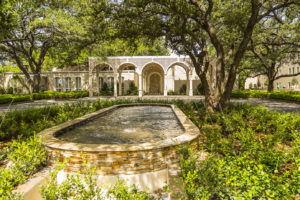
[{"x": 281, "y": 106}]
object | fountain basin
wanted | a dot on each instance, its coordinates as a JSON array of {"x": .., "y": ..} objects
[{"x": 122, "y": 158}]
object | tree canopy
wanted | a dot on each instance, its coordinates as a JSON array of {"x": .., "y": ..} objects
[
  {"x": 38, "y": 26},
  {"x": 276, "y": 42},
  {"x": 211, "y": 32}
]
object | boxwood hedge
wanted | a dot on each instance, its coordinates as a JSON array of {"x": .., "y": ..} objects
[
  {"x": 8, "y": 98},
  {"x": 289, "y": 96}
]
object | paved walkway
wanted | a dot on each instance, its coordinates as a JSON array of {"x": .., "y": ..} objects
[{"x": 281, "y": 106}]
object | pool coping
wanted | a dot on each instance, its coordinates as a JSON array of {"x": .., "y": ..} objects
[{"x": 191, "y": 133}]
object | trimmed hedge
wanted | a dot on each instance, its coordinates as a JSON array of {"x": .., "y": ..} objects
[
  {"x": 44, "y": 95},
  {"x": 289, "y": 96},
  {"x": 12, "y": 98}
]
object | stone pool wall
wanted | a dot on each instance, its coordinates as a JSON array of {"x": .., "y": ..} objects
[
  {"x": 119, "y": 159},
  {"x": 119, "y": 162}
]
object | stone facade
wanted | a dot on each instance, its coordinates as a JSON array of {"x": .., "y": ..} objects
[
  {"x": 283, "y": 83},
  {"x": 152, "y": 75}
]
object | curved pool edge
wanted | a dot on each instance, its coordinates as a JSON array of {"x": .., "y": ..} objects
[
  {"x": 191, "y": 132},
  {"x": 121, "y": 158}
]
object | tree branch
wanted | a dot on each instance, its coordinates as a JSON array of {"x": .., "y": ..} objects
[{"x": 287, "y": 75}]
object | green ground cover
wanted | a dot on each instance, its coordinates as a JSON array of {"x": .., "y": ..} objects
[
  {"x": 21, "y": 146},
  {"x": 289, "y": 96},
  {"x": 253, "y": 152}
]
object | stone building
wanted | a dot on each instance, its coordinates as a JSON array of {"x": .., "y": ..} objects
[
  {"x": 261, "y": 81},
  {"x": 152, "y": 75}
]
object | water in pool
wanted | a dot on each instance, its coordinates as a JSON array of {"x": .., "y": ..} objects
[{"x": 128, "y": 125}]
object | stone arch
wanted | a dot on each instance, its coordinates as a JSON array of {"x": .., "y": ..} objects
[
  {"x": 155, "y": 85},
  {"x": 147, "y": 71},
  {"x": 153, "y": 62},
  {"x": 126, "y": 64},
  {"x": 101, "y": 67},
  {"x": 181, "y": 64},
  {"x": 187, "y": 70},
  {"x": 120, "y": 69}
]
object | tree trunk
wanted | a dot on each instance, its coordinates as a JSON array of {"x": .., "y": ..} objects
[
  {"x": 36, "y": 83},
  {"x": 271, "y": 85},
  {"x": 225, "y": 98},
  {"x": 209, "y": 96}
]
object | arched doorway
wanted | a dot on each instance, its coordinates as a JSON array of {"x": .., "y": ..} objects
[
  {"x": 153, "y": 79},
  {"x": 155, "y": 84},
  {"x": 104, "y": 80},
  {"x": 178, "y": 74},
  {"x": 130, "y": 77}
]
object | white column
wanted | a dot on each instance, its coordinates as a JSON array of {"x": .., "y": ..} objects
[
  {"x": 173, "y": 78},
  {"x": 165, "y": 85},
  {"x": 120, "y": 83},
  {"x": 191, "y": 86},
  {"x": 115, "y": 84},
  {"x": 90, "y": 81},
  {"x": 187, "y": 84},
  {"x": 140, "y": 86},
  {"x": 97, "y": 80}
]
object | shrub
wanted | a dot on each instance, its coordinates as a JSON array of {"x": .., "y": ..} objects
[
  {"x": 122, "y": 191},
  {"x": 133, "y": 90},
  {"x": 85, "y": 187},
  {"x": 171, "y": 92},
  {"x": 254, "y": 154},
  {"x": 2, "y": 90},
  {"x": 8, "y": 98},
  {"x": 294, "y": 81},
  {"x": 250, "y": 86},
  {"x": 258, "y": 83},
  {"x": 289, "y": 96},
  {"x": 182, "y": 90},
  {"x": 10, "y": 90},
  {"x": 233, "y": 177},
  {"x": 105, "y": 90},
  {"x": 27, "y": 157}
]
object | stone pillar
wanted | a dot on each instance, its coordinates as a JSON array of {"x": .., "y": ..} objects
[
  {"x": 187, "y": 84},
  {"x": 115, "y": 84},
  {"x": 140, "y": 86},
  {"x": 91, "y": 79},
  {"x": 63, "y": 83},
  {"x": 173, "y": 78},
  {"x": 165, "y": 85},
  {"x": 120, "y": 83},
  {"x": 191, "y": 85},
  {"x": 97, "y": 79}
]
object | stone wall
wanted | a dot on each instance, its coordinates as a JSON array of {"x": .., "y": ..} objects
[
  {"x": 122, "y": 159},
  {"x": 119, "y": 162}
]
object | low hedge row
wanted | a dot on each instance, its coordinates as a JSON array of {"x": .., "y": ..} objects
[
  {"x": 289, "y": 96},
  {"x": 44, "y": 95}
]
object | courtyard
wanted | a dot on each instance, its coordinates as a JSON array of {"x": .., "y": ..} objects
[
  {"x": 149, "y": 100},
  {"x": 217, "y": 134}
]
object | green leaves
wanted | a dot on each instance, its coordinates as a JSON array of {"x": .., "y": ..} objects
[
  {"x": 84, "y": 186},
  {"x": 26, "y": 157},
  {"x": 254, "y": 154}
]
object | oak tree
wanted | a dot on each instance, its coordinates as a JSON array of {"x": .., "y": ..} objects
[
  {"x": 211, "y": 32},
  {"x": 276, "y": 42},
  {"x": 37, "y": 28}
]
